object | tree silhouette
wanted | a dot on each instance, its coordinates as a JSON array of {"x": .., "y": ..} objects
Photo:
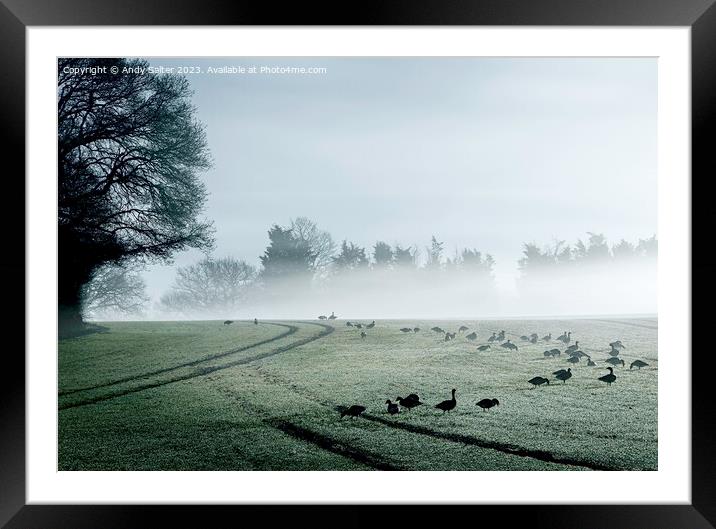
[
  {"x": 319, "y": 241},
  {"x": 351, "y": 257},
  {"x": 287, "y": 257},
  {"x": 129, "y": 155},
  {"x": 211, "y": 286},
  {"x": 623, "y": 250},
  {"x": 648, "y": 247},
  {"x": 383, "y": 255},
  {"x": 404, "y": 257},
  {"x": 595, "y": 250},
  {"x": 434, "y": 254},
  {"x": 113, "y": 289}
]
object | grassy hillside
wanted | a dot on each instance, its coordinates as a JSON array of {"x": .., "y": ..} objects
[{"x": 204, "y": 396}]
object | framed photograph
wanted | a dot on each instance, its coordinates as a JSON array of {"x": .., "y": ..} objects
[{"x": 427, "y": 255}]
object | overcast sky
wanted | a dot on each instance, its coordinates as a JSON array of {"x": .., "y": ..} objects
[{"x": 481, "y": 152}]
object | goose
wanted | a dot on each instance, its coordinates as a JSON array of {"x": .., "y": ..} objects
[
  {"x": 501, "y": 336},
  {"x": 614, "y": 351},
  {"x": 564, "y": 375},
  {"x": 447, "y": 405},
  {"x": 638, "y": 363},
  {"x": 353, "y": 411},
  {"x": 547, "y": 354},
  {"x": 409, "y": 402},
  {"x": 573, "y": 359},
  {"x": 590, "y": 362},
  {"x": 572, "y": 347},
  {"x": 472, "y": 336},
  {"x": 538, "y": 381},
  {"x": 492, "y": 338},
  {"x": 580, "y": 354},
  {"x": 509, "y": 345},
  {"x": 524, "y": 338},
  {"x": 611, "y": 377},
  {"x": 370, "y": 325},
  {"x": 555, "y": 352},
  {"x": 437, "y": 329},
  {"x": 447, "y": 337},
  {"x": 393, "y": 408},
  {"x": 359, "y": 325},
  {"x": 547, "y": 338},
  {"x": 613, "y": 360},
  {"x": 533, "y": 338},
  {"x": 256, "y": 322},
  {"x": 332, "y": 316},
  {"x": 617, "y": 345},
  {"x": 486, "y": 404},
  {"x": 322, "y": 317},
  {"x": 483, "y": 347},
  {"x": 462, "y": 329},
  {"x": 363, "y": 334},
  {"x": 560, "y": 372},
  {"x": 406, "y": 329},
  {"x": 349, "y": 324},
  {"x": 416, "y": 329},
  {"x": 566, "y": 337},
  {"x": 228, "y": 322}
]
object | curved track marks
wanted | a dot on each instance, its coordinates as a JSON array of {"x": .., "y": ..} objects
[
  {"x": 331, "y": 445},
  {"x": 291, "y": 330},
  {"x": 202, "y": 371},
  {"x": 509, "y": 449},
  {"x": 631, "y": 324}
]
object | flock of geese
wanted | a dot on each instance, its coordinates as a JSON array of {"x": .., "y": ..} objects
[{"x": 573, "y": 353}]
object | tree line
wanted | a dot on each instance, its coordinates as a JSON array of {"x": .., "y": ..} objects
[{"x": 301, "y": 259}]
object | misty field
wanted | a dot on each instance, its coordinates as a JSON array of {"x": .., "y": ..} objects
[{"x": 267, "y": 396}]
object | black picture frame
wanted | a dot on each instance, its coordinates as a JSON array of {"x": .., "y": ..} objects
[{"x": 17, "y": 15}]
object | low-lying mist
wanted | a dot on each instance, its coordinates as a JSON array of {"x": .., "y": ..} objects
[{"x": 610, "y": 288}]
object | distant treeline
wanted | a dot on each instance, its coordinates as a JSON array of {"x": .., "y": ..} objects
[{"x": 303, "y": 261}]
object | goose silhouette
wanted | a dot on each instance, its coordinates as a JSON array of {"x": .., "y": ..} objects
[
  {"x": 486, "y": 404},
  {"x": 564, "y": 375},
  {"x": 538, "y": 381},
  {"x": 447, "y": 405},
  {"x": 611, "y": 377},
  {"x": 409, "y": 402},
  {"x": 393, "y": 408}
]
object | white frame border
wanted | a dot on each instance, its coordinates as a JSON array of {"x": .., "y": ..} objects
[{"x": 670, "y": 484}]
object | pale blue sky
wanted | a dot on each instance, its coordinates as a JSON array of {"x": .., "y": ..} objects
[{"x": 481, "y": 152}]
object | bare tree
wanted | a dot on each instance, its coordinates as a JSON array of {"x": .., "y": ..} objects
[
  {"x": 210, "y": 286},
  {"x": 319, "y": 241},
  {"x": 114, "y": 290}
]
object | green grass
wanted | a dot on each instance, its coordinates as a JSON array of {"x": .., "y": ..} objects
[{"x": 196, "y": 396}]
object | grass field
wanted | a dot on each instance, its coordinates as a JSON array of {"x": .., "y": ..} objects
[{"x": 208, "y": 396}]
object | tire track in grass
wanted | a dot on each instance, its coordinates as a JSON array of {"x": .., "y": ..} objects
[
  {"x": 203, "y": 371},
  {"x": 329, "y": 444},
  {"x": 631, "y": 323},
  {"x": 291, "y": 330},
  {"x": 301, "y": 433},
  {"x": 540, "y": 455}
]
